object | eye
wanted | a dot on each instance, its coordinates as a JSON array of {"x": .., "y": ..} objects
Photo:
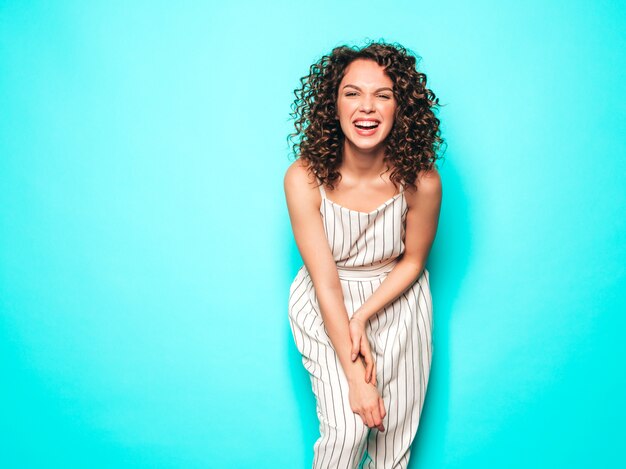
[
  {"x": 350, "y": 93},
  {"x": 385, "y": 96}
]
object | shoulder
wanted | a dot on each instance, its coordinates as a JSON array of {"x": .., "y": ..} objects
[
  {"x": 300, "y": 183},
  {"x": 297, "y": 174},
  {"x": 429, "y": 182},
  {"x": 429, "y": 187}
]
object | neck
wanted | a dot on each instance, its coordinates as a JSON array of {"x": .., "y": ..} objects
[{"x": 363, "y": 163}]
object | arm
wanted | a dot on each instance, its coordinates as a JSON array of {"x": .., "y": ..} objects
[
  {"x": 421, "y": 226},
  {"x": 303, "y": 203}
]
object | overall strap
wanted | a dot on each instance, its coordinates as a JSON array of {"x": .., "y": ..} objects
[{"x": 322, "y": 191}]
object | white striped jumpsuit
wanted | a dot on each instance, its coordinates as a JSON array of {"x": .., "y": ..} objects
[{"x": 365, "y": 247}]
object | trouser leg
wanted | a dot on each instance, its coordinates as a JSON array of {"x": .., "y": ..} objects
[
  {"x": 343, "y": 434},
  {"x": 402, "y": 350}
]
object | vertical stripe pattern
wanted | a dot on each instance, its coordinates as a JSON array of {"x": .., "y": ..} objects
[{"x": 366, "y": 246}]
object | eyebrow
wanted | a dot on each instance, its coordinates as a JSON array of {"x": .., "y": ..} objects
[{"x": 379, "y": 89}]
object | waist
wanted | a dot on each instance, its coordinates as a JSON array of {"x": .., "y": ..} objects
[{"x": 367, "y": 272}]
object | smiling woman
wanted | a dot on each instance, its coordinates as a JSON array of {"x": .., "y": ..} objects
[
  {"x": 360, "y": 308},
  {"x": 367, "y": 125}
]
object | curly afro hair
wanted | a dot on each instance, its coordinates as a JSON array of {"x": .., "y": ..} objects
[{"x": 414, "y": 141}]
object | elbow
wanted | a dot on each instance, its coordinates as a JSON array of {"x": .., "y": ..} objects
[
  {"x": 329, "y": 288},
  {"x": 415, "y": 267}
]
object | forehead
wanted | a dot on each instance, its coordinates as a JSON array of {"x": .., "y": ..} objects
[{"x": 365, "y": 73}]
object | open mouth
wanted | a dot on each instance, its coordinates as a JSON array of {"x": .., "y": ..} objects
[
  {"x": 366, "y": 128},
  {"x": 365, "y": 125}
]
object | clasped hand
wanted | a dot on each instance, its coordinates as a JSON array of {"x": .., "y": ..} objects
[
  {"x": 365, "y": 400},
  {"x": 361, "y": 346}
]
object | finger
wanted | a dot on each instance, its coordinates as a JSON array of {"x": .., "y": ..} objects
[
  {"x": 380, "y": 425},
  {"x": 360, "y": 414},
  {"x": 368, "y": 370},
  {"x": 369, "y": 418},
  {"x": 355, "y": 347},
  {"x": 376, "y": 415},
  {"x": 381, "y": 404},
  {"x": 378, "y": 421},
  {"x": 373, "y": 372},
  {"x": 363, "y": 417},
  {"x": 367, "y": 355}
]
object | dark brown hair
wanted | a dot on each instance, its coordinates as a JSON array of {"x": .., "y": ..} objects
[{"x": 414, "y": 140}]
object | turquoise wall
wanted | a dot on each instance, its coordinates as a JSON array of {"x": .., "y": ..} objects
[{"x": 146, "y": 252}]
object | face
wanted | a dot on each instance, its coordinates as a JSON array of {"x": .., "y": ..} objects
[{"x": 366, "y": 104}]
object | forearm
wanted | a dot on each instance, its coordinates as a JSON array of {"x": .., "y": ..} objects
[
  {"x": 337, "y": 323},
  {"x": 397, "y": 281}
]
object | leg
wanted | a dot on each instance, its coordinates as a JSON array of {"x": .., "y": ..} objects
[
  {"x": 342, "y": 432},
  {"x": 401, "y": 337}
]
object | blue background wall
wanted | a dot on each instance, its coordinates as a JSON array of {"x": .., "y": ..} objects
[{"x": 146, "y": 252}]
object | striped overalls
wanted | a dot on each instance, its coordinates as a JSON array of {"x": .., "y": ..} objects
[{"x": 365, "y": 246}]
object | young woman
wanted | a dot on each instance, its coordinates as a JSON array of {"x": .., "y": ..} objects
[{"x": 364, "y": 198}]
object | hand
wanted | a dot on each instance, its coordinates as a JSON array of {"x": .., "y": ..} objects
[
  {"x": 360, "y": 344},
  {"x": 368, "y": 404}
]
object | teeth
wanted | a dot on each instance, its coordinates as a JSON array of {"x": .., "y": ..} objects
[{"x": 366, "y": 123}]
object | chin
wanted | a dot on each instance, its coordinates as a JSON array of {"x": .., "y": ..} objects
[
  {"x": 366, "y": 142},
  {"x": 367, "y": 146}
]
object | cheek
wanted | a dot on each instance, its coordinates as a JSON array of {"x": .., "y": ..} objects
[
  {"x": 390, "y": 119},
  {"x": 347, "y": 108}
]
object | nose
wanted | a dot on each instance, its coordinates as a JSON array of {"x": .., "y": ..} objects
[{"x": 366, "y": 103}]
